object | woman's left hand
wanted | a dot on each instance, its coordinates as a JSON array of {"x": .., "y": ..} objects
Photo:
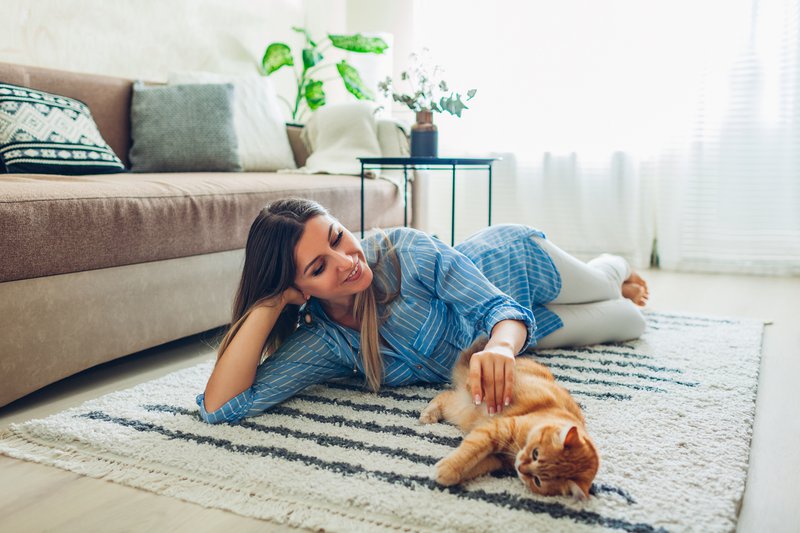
[{"x": 491, "y": 377}]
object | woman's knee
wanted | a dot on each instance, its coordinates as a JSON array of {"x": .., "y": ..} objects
[{"x": 631, "y": 322}]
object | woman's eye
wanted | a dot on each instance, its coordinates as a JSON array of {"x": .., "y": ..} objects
[
  {"x": 321, "y": 268},
  {"x": 537, "y": 481},
  {"x": 536, "y": 454}
]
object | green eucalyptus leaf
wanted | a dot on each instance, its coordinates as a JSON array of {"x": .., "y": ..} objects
[
  {"x": 310, "y": 58},
  {"x": 471, "y": 93},
  {"x": 306, "y": 34},
  {"x": 359, "y": 43},
  {"x": 315, "y": 96},
  {"x": 453, "y": 105},
  {"x": 276, "y": 56},
  {"x": 352, "y": 81}
]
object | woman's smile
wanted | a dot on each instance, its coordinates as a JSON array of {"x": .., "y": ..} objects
[{"x": 355, "y": 274}]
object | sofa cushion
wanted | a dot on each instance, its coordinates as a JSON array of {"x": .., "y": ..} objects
[
  {"x": 109, "y": 98},
  {"x": 60, "y": 224},
  {"x": 183, "y": 128},
  {"x": 257, "y": 119},
  {"x": 46, "y": 133}
]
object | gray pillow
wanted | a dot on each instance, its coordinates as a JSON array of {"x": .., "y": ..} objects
[{"x": 183, "y": 128}]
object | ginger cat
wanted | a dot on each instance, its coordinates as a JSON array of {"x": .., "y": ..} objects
[{"x": 541, "y": 435}]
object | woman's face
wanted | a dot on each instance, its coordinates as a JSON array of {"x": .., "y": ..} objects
[{"x": 330, "y": 262}]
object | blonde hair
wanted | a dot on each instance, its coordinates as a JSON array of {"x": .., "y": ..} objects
[{"x": 365, "y": 310}]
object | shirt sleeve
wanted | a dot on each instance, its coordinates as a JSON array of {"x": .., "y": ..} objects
[
  {"x": 453, "y": 277},
  {"x": 304, "y": 359}
]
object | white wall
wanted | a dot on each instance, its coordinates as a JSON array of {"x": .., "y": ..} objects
[
  {"x": 393, "y": 21},
  {"x": 146, "y": 39}
]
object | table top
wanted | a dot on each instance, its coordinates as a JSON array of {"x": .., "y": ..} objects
[{"x": 427, "y": 160}]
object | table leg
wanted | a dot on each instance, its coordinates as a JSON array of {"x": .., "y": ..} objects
[
  {"x": 453, "y": 212},
  {"x": 405, "y": 196},
  {"x": 362, "y": 200},
  {"x": 490, "y": 194}
]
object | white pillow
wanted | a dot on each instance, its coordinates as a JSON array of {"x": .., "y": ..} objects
[
  {"x": 338, "y": 134},
  {"x": 257, "y": 118}
]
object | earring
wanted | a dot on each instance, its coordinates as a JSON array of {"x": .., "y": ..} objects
[{"x": 307, "y": 317}]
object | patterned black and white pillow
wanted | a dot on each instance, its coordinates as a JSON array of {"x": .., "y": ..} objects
[{"x": 46, "y": 133}]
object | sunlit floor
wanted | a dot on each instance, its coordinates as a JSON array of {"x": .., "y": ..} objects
[{"x": 39, "y": 498}]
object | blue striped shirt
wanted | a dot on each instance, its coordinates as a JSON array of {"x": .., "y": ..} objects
[{"x": 449, "y": 297}]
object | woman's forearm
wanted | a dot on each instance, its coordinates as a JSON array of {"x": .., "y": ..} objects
[
  {"x": 236, "y": 368},
  {"x": 509, "y": 334}
]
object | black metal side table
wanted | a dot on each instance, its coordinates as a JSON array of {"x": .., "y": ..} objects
[{"x": 426, "y": 163}]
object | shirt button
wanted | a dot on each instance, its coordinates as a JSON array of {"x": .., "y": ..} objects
[{"x": 419, "y": 367}]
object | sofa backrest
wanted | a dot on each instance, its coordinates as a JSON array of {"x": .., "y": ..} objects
[{"x": 109, "y": 100}]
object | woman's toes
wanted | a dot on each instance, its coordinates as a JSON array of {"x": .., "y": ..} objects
[{"x": 634, "y": 292}]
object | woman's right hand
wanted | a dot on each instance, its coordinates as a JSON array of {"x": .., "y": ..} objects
[{"x": 293, "y": 296}]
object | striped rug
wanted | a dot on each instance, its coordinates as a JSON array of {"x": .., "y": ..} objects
[{"x": 671, "y": 414}]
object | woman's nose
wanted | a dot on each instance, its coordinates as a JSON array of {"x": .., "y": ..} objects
[{"x": 346, "y": 262}]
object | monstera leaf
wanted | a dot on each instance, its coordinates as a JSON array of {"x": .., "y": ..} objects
[
  {"x": 311, "y": 57},
  {"x": 353, "y": 82},
  {"x": 359, "y": 43},
  {"x": 276, "y": 56},
  {"x": 315, "y": 96}
]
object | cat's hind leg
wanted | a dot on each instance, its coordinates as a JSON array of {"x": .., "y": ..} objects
[
  {"x": 473, "y": 450},
  {"x": 433, "y": 412}
]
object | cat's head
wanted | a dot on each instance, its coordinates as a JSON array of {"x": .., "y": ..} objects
[{"x": 558, "y": 460}]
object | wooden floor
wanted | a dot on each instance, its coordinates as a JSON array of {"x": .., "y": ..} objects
[{"x": 39, "y": 498}]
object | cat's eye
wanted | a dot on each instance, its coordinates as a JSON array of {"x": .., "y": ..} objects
[
  {"x": 537, "y": 481},
  {"x": 536, "y": 454}
]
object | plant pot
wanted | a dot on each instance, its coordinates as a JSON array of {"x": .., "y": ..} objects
[{"x": 424, "y": 136}]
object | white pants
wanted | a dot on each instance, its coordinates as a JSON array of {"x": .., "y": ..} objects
[{"x": 590, "y": 303}]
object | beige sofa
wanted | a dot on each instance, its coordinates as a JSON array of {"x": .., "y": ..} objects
[{"x": 93, "y": 268}]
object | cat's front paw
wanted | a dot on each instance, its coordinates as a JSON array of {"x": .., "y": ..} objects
[
  {"x": 429, "y": 415},
  {"x": 445, "y": 474}
]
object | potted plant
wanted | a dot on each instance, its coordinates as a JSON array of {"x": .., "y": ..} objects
[
  {"x": 309, "y": 85},
  {"x": 427, "y": 93}
]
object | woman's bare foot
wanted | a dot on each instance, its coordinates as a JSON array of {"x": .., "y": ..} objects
[{"x": 635, "y": 289}]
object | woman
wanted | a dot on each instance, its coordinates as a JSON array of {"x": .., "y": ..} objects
[{"x": 399, "y": 306}]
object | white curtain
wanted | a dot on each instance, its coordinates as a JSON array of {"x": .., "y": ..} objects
[
  {"x": 603, "y": 113},
  {"x": 729, "y": 187}
]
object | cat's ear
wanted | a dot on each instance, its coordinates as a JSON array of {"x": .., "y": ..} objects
[
  {"x": 576, "y": 491},
  {"x": 569, "y": 436}
]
